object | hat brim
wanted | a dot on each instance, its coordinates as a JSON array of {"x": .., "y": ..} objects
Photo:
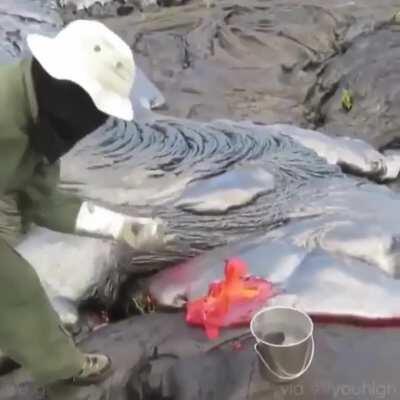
[{"x": 64, "y": 64}]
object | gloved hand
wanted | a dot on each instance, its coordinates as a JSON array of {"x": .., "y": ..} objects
[
  {"x": 144, "y": 233},
  {"x": 139, "y": 233}
]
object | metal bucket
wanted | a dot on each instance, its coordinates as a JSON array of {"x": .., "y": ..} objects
[{"x": 285, "y": 344}]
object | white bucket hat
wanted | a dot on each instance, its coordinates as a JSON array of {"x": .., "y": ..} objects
[{"x": 95, "y": 58}]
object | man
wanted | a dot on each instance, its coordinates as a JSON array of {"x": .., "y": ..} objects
[{"x": 69, "y": 88}]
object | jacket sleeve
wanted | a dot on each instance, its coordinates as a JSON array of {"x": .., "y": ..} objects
[{"x": 42, "y": 203}]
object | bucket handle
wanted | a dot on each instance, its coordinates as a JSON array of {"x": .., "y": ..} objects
[{"x": 288, "y": 377}]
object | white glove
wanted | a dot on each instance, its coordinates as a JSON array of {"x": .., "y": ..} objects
[
  {"x": 144, "y": 233},
  {"x": 139, "y": 233}
]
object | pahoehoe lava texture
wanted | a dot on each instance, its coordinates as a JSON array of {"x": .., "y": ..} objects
[
  {"x": 20, "y": 17},
  {"x": 269, "y": 61},
  {"x": 262, "y": 60},
  {"x": 145, "y": 168}
]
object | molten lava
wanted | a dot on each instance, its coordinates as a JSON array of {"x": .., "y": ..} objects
[{"x": 230, "y": 302}]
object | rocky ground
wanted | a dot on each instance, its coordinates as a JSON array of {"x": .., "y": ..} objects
[
  {"x": 276, "y": 61},
  {"x": 158, "y": 357},
  {"x": 269, "y": 61}
]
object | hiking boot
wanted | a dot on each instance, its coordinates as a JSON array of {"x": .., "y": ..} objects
[{"x": 96, "y": 368}]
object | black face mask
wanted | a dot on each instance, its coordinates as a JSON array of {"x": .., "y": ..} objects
[{"x": 66, "y": 114}]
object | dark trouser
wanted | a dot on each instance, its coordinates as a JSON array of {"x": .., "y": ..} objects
[{"x": 30, "y": 330}]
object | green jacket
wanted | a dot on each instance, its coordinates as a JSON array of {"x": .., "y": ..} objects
[{"x": 24, "y": 173}]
